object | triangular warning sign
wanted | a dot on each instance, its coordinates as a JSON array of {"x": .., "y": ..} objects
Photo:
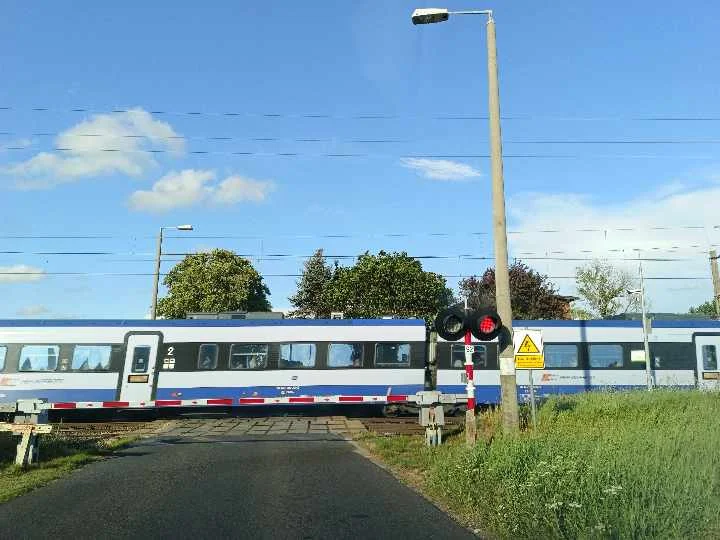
[{"x": 528, "y": 346}]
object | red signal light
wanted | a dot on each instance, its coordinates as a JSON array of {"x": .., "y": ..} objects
[{"x": 487, "y": 325}]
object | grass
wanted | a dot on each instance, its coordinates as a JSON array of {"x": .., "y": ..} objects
[
  {"x": 58, "y": 456},
  {"x": 599, "y": 465}
]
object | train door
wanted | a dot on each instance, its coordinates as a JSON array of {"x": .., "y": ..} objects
[
  {"x": 707, "y": 351},
  {"x": 139, "y": 373}
]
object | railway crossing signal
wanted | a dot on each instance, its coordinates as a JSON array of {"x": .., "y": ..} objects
[
  {"x": 458, "y": 321},
  {"x": 455, "y": 322}
]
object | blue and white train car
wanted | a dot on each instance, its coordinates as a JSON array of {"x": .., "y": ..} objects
[
  {"x": 133, "y": 364},
  {"x": 594, "y": 355}
]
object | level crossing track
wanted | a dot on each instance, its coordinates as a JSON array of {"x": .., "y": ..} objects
[{"x": 255, "y": 426}]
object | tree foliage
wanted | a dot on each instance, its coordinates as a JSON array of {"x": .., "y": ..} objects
[
  {"x": 532, "y": 295},
  {"x": 388, "y": 284},
  {"x": 706, "y": 308},
  {"x": 604, "y": 288},
  {"x": 211, "y": 282},
  {"x": 312, "y": 298}
]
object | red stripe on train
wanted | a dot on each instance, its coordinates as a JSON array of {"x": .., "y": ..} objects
[
  {"x": 350, "y": 398},
  {"x": 115, "y": 403},
  {"x": 391, "y": 399},
  {"x": 301, "y": 400},
  {"x": 220, "y": 401},
  {"x": 64, "y": 405},
  {"x": 167, "y": 402},
  {"x": 251, "y": 400}
]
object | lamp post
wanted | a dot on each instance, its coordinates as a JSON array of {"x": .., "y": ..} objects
[
  {"x": 508, "y": 382},
  {"x": 156, "y": 280}
]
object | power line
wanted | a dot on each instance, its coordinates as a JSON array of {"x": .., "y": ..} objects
[
  {"x": 248, "y": 153},
  {"x": 364, "y": 116},
  {"x": 225, "y": 138}
]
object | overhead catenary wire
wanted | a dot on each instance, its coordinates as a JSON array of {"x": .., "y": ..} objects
[
  {"x": 419, "y": 155},
  {"x": 460, "y": 116}
]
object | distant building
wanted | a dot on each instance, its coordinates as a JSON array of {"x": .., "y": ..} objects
[
  {"x": 659, "y": 316},
  {"x": 567, "y": 308}
]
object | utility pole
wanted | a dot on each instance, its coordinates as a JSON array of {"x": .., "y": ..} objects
[
  {"x": 156, "y": 277},
  {"x": 715, "y": 280},
  {"x": 648, "y": 368},
  {"x": 508, "y": 381}
]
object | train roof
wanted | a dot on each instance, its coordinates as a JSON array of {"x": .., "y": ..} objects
[{"x": 192, "y": 323}]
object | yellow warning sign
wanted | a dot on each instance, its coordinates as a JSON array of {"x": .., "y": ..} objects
[
  {"x": 528, "y": 346},
  {"x": 529, "y": 361}
]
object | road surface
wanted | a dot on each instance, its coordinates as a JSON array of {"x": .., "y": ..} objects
[{"x": 305, "y": 486}]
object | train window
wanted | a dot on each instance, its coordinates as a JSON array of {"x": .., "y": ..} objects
[
  {"x": 709, "y": 354},
  {"x": 561, "y": 356},
  {"x": 297, "y": 355},
  {"x": 207, "y": 356},
  {"x": 457, "y": 356},
  {"x": 345, "y": 355},
  {"x": 606, "y": 356},
  {"x": 39, "y": 357},
  {"x": 672, "y": 355},
  {"x": 91, "y": 357},
  {"x": 392, "y": 355},
  {"x": 141, "y": 359},
  {"x": 3, "y": 352},
  {"x": 248, "y": 356}
]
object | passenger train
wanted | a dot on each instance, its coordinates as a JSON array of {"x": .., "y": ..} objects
[{"x": 87, "y": 364}]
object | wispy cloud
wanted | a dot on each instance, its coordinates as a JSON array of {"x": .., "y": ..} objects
[
  {"x": 654, "y": 227},
  {"x": 196, "y": 186},
  {"x": 33, "y": 311},
  {"x": 440, "y": 169},
  {"x": 104, "y": 144},
  {"x": 20, "y": 273}
]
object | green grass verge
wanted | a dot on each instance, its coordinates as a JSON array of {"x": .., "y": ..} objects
[
  {"x": 600, "y": 465},
  {"x": 58, "y": 456}
]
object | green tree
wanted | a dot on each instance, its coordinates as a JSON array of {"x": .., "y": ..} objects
[
  {"x": 532, "y": 295},
  {"x": 388, "y": 284},
  {"x": 216, "y": 281},
  {"x": 580, "y": 314},
  {"x": 604, "y": 288},
  {"x": 311, "y": 299},
  {"x": 706, "y": 308}
]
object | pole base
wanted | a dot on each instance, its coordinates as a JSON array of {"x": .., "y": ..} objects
[{"x": 470, "y": 427}]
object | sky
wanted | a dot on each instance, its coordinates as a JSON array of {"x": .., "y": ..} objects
[{"x": 277, "y": 128}]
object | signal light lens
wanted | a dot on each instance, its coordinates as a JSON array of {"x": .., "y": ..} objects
[{"x": 487, "y": 325}]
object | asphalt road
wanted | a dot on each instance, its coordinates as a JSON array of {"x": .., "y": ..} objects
[{"x": 274, "y": 486}]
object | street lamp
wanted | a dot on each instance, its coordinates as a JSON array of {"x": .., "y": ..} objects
[
  {"x": 508, "y": 382},
  {"x": 156, "y": 280}
]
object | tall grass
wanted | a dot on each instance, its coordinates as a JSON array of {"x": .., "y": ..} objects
[{"x": 600, "y": 465}]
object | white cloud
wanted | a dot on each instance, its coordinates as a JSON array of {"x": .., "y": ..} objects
[
  {"x": 440, "y": 169},
  {"x": 104, "y": 144},
  {"x": 20, "y": 273},
  {"x": 657, "y": 225},
  {"x": 33, "y": 311},
  {"x": 193, "y": 186}
]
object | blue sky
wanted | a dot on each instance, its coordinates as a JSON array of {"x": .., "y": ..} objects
[{"x": 305, "y": 81}]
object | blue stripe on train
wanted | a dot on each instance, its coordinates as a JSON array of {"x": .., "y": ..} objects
[
  {"x": 491, "y": 393},
  {"x": 57, "y": 395},
  {"x": 286, "y": 391}
]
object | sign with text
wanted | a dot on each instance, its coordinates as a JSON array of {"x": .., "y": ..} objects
[{"x": 529, "y": 349}]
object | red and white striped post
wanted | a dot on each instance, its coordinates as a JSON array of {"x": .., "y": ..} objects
[{"x": 470, "y": 431}]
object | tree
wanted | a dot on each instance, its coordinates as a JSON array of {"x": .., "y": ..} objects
[
  {"x": 601, "y": 286},
  {"x": 706, "y": 308},
  {"x": 388, "y": 284},
  {"x": 580, "y": 314},
  {"x": 216, "y": 281},
  {"x": 312, "y": 296},
  {"x": 532, "y": 295}
]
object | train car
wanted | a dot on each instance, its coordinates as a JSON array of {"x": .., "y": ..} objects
[
  {"x": 594, "y": 355},
  {"x": 88, "y": 364}
]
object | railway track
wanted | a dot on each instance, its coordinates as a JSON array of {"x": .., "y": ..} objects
[{"x": 95, "y": 430}]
